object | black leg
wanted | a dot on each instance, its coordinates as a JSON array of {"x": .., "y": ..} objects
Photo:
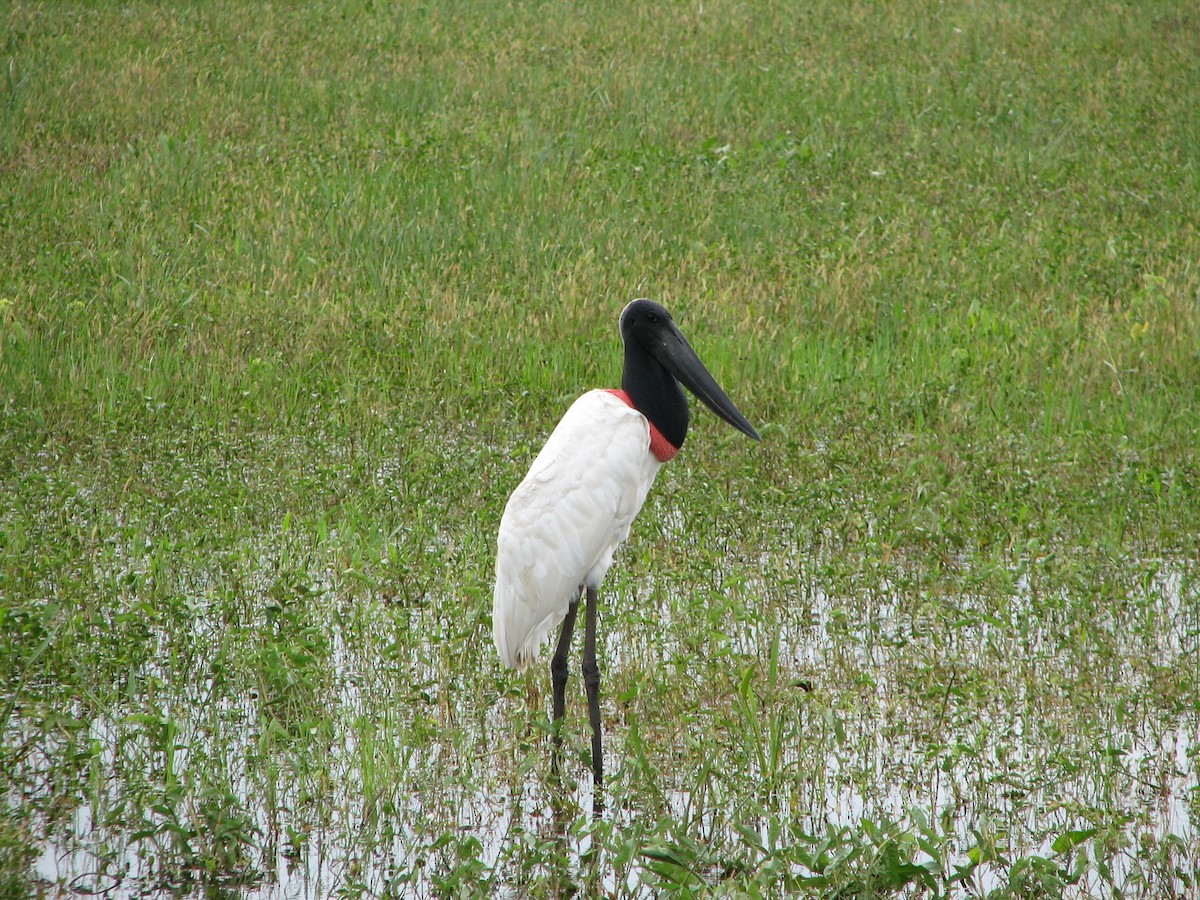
[
  {"x": 558, "y": 676},
  {"x": 591, "y": 681}
]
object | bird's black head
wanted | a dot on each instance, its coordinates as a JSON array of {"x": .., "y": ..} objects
[
  {"x": 646, "y": 323},
  {"x": 658, "y": 359}
]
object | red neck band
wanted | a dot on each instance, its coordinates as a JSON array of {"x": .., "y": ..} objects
[{"x": 662, "y": 449}]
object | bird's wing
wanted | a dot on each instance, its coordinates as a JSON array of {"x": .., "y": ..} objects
[{"x": 566, "y": 518}]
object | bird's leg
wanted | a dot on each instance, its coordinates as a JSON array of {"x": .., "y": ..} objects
[
  {"x": 558, "y": 677},
  {"x": 591, "y": 681}
]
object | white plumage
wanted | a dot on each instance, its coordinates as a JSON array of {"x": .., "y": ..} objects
[{"x": 566, "y": 519}]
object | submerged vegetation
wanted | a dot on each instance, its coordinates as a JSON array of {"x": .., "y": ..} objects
[{"x": 290, "y": 296}]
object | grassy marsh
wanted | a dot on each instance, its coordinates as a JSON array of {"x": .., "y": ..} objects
[{"x": 289, "y": 297}]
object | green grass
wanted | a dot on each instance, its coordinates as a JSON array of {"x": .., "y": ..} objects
[{"x": 289, "y": 298}]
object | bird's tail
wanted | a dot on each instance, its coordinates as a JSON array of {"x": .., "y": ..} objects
[{"x": 517, "y": 635}]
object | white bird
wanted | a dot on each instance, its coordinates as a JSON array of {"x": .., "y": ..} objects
[{"x": 575, "y": 506}]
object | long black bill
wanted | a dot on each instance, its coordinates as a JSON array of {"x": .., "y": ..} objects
[{"x": 678, "y": 358}]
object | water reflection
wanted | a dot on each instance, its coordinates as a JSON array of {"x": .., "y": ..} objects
[{"x": 418, "y": 789}]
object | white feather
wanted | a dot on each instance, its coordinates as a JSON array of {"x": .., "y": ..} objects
[{"x": 566, "y": 519}]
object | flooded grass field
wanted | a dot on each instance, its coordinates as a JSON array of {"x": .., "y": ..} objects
[
  {"x": 311, "y": 712},
  {"x": 290, "y": 297}
]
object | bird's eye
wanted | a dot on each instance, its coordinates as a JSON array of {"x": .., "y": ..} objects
[{"x": 652, "y": 318}]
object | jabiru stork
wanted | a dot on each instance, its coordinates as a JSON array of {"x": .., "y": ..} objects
[{"x": 573, "y": 509}]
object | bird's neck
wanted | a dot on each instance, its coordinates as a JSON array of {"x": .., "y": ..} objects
[
  {"x": 662, "y": 449},
  {"x": 654, "y": 392}
]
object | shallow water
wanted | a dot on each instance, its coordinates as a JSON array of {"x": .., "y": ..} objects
[{"x": 415, "y": 773}]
